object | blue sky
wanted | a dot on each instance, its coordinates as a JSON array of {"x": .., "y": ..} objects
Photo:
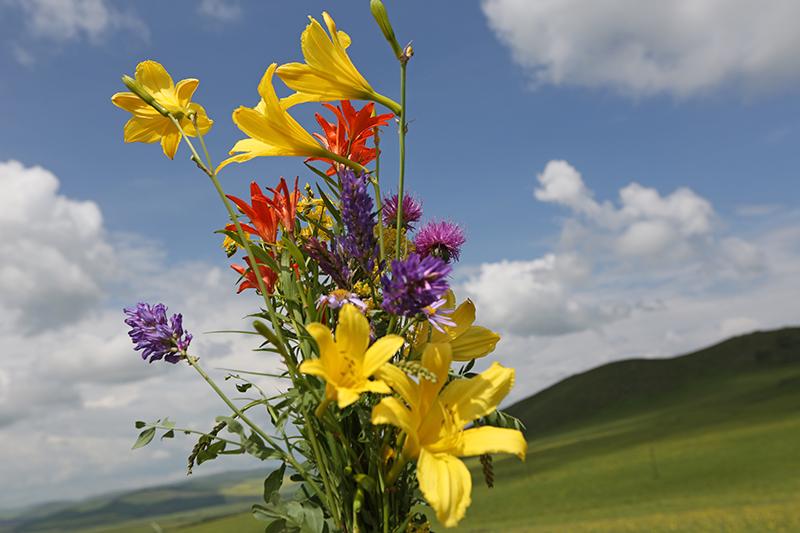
[{"x": 529, "y": 123}]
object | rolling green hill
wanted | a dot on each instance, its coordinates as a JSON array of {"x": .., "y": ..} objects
[{"x": 708, "y": 441}]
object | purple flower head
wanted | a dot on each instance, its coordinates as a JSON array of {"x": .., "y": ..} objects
[
  {"x": 416, "y": 283},
  {"x": 358, "y": 217},
  {"x": 439, "y": 318},
  {"x": 440, "y": 239},
  {"x": 412, "y": 211},
  {"x": 157, "y": 337},
  {"x": 336, "y": 299},
  {"x": 330, "y": 261}
]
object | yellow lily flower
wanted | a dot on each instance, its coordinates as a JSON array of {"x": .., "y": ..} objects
[
  {"x": 148, "y": 125},
  {"x": 466, "y": 341},
  {"x": 433, "y": 419},
  {"x": 328, "y": 73},
  {"x": 271, "y": 130},
  {"x": 347, "y": 362}
]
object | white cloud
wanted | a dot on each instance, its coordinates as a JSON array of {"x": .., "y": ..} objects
[
  {"x": 69, "y": 378},
  {"x": 55, "y": 252},
  {"x": 682, "y": 47},
  {"x": 67, "y": 20},
  {"x": 220, "y": 10}
]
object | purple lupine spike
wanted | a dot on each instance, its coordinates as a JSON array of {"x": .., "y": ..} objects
[
  {"x": 155, "y": 335},
  {"x": 440, "y": 239},
  {"x": 416, "y": 282},
  {"x": 329, "y": 260},
  {"x": 412, "y": 211},
  {"x": 358, "y": 218}
]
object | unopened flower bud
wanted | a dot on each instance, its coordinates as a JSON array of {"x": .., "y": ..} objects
[
  {"x": 137, "y": 89},
  {"x": 382, "y": 18}
]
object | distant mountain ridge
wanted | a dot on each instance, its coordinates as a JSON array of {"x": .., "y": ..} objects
[{"x": 613, "y": 388}]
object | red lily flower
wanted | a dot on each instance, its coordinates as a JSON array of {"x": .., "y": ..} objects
[
  {"x": 348, "y": 138},
  {"x": 261, "y": 213},
  {"x": 285, "y": 204},
  {"x": 250, "y": 282}
]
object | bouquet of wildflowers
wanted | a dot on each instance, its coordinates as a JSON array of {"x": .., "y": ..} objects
[{"x": 379, "y": 402}]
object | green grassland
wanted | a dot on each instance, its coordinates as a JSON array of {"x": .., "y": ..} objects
[{"x": 709, "y": 441}]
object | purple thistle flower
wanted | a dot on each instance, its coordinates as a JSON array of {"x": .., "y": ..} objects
[
  {"x": 412, "y": 211},
  {"x": 157, "y": 337},
  {"x": 416, "y": 283},
  {"x": 440, "y": 239},
  {"x": 358, "y": 217},
  {"x": 329, "y": 260}
]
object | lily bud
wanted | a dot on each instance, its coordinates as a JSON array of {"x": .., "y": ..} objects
[
  {"x": 137, "y": 89},
  {"x": 382, "y": 18}
]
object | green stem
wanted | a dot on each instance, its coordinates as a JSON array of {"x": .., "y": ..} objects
[
  {"x": 344, "y": 161},
  {"x": 242, "y": 236},
  {"x": 386, "y": 102},
  {"x": 194, "y": 431},
  {"x": 288, "y": 457},
  {"x": 376, "y": 182},
  {"x": 401, "y": 175},
  {"x": 323, "y": 470}
]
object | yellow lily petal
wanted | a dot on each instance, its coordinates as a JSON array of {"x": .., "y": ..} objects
[
  {"x": 486, "y": 439},
  {"x": 185, "y": 90},
  {"x": 473, "y": 398},
  {"x": 436, "y": 358},
  {"x": 133, "y": 104},
  {"x": 378, "y": 387},
  {"x": 463, "y": 316},
  {"x": 380, "y": 352},
  {"x": 446, "y": 484},
  {"x": 141, "y": 130},
  {"x": 153, "y": 76},
  {"x": 170, "y": 142},
  {"x": 392, "y": 411},
  {"x": 327, "y": 347},
  {"x": 315, "y": 367},
  {"x": 345, "y": 397},
  {"x": 399, "y": 381},
  {"x": 476, "y": 341},
  {"x": 352, "y": 334}
]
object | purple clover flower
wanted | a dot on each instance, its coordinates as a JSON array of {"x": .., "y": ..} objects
[
  {"x": 358, "y": 217},
  {"x": 440, "y": 239},
  {"x": 416, "y": 283},
  {"x": 157, "y": 337},
  {"x": 412, "y": 211}
]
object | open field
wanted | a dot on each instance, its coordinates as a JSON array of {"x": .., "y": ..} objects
[{"x": 705, "y": 442}]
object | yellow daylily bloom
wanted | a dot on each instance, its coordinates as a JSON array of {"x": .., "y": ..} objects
[
  {"x": 148, "y": 125},
  {"x": 271, "y": 130},
  {"x": 346, "y": 362},
  {"x": 433, "y": 419},
  {"x": 467, "y": 341},
  {"x": 328, "y": 73}
]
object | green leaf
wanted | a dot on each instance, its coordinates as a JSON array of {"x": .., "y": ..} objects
[
  {"x": 144, "y": 438},
  {"x": 140, "y": 424},
  {"x": 278, "y": 526},
  {"x": 273, "y": 482},
  {"x": 168, "y": 435},
  {"x": 242, "y": 387}
]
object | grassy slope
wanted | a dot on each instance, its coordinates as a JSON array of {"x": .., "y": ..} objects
[{"x": 704, "y": 442}]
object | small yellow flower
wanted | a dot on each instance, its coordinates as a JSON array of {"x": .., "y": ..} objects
[
  {"x": 347, "y": 362},
  {"x": 271, "y": 130},
  {"x": 328, "y": 73},
  {"x": 466, "y": 341},
  {"x": 314, "y": 211},
  {"x": 148, "y": 125},
  {"x": 433, "y": 418}
]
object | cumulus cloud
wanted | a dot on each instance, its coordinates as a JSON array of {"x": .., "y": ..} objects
[
  {"x": 681, "y": 48},
  {"x": 220, "y": 10},
  {"x": 69, "y": 378},
  {"x": 71, "y": 20},
  {"x": 54, "y": 249},
  {"x": 611, "y": 260}
]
